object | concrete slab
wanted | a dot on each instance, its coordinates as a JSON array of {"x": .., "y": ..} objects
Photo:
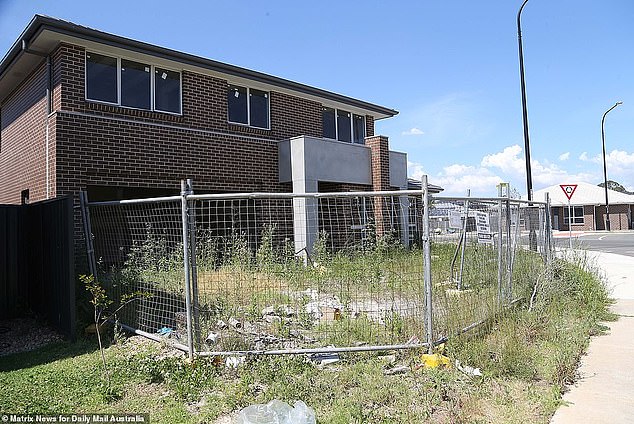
[{"x": 605, "y": 391}]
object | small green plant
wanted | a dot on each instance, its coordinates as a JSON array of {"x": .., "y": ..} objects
[{"x": 102, "y": 314}]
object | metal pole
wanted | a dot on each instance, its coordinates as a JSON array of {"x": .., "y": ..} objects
[
  {"x": 427, "y": 265},
  {"x": 549, "y": 234},
  {"x": 500, "y": 246},
  {"x": 605, "y": 168},
  {"x": 192, "y": 257},
  {"x": 90, "y": 249},
  {"x": 186, "y": 266},
  {"x": 464, "y": 238},
  {"x": 510, "y": 245},
  {"x": 527, "y": 146},
  {"x": 569, "y": 225}
]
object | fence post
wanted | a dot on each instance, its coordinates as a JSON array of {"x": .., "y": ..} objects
[
  {"x": 90, "y": 249},
  {"x": 464, "y": 238},
  {"x": 500, "y": 246},
  {"x": 510, "y": 245},
  {"x": 192, "y": 259},
  {"x": 549, "y": 234},
  {"x": 427, "y": 266},
  {"x": 185, "y": 191}
]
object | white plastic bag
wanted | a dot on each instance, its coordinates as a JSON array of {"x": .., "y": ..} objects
[{"x": 276, "y": 412}]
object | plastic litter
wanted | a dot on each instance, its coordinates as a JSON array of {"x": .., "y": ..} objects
[
  {"x": 276, "y": 412},
  {"x": 165, "y": 331},
  {"x": 325, "y": 358},
  {"x": 399, "y": 369},
  {"x": 234, "y": 361},
  {"x": 212, "y": 338},
  {"x": 466, "y": 369},
  {"x": 435, "y": 360}
]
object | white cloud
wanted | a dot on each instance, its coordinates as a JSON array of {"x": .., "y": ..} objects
[
  {"x": 457, "y": 178},
  {"x": 620, "y": 166},
  {"x": 564, "y": 156},
  {"x": 413, "y": 131},
  {"x": 509, "y": 165},
  {"x": 513, "y": 166},
  {"x": 508, "y": 160},
  {"x": 620, "y": 159},
  {"x": 415, "y": 170}
]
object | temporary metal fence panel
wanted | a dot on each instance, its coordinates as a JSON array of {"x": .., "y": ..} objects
[
  {"x": 286, "y": 273},
  {"x": 487, "y": 253}
]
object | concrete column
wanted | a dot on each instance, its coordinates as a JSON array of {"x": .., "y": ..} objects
[{"x": 305, "y": 210}]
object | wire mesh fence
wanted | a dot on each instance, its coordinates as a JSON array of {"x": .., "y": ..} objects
[{"x": 285, "y": 273}]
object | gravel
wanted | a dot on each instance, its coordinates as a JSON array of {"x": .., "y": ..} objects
[{"x": 24, "y": 334}]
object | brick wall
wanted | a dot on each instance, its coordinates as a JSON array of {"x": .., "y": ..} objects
[
  {"x": 23, "y": 141},
  {"x": 204, "y": 104},
  {"x": 380, "y": 158},
  {"x": 594, "y": 218},
  {"x": 619, "y": 219},
  {"x": 369, "y": 126}
]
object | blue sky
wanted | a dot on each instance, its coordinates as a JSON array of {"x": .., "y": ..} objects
[{"x": 449, "y": 67}]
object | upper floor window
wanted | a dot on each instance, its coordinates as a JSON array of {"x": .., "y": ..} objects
[
  {"x": 102, "y": 78},
  {"x": 343, "y": 125},
  {"x": 248, "y": 106},
  {"x": 132, "y": 84}
]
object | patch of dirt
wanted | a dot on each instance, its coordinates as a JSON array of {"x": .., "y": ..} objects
[{"x": 24, "y": 334}]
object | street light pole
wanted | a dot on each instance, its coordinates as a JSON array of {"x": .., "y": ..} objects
[
  {"x": 605, "y": 168},
  {"x": 527, "y": 145}
]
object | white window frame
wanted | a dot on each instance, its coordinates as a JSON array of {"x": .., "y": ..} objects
[
  {"x": 352, "y": 114},
  {"x": 571, "y": 220},
  {"x": 152, "y": 87},
  {"x": 248, "y": 124}
]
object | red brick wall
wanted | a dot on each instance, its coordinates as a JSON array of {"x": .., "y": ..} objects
[
  {"x": 594, "y": 218},
  {"x": 369, "y": 126},
  {"x": 106, "y": 151},
  {"x": 619, "y": 219},
  {"x": 204, "y": 103},
  {"x": 23, "y": 141},
  {"x": 121, "y": 146},
  {"x": 380, "y": 158}
]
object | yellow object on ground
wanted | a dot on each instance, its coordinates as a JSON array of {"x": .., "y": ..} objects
[{"x": 435, "y": 360}]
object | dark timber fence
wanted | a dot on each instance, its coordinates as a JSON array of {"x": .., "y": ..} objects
[{"x": 37, "y": 272}]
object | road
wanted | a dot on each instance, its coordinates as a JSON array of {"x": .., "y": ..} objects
[{"x": 620, "y": 243}]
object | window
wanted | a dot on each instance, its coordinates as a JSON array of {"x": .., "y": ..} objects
[
  {"x": 101, "y": 78},
  {"x": 24, "y": 197},
  {"x": 577, "y": 215},
  {"x": 342, "y": 125},
  {"x": 135, "y": 84},
  {"x": 358, "y": 126},
  {"x": 248, "y": 106},
  {"x": 132, "y": 84},
  {"x": 329, "y": 125},
  {"x": 167, "y": 90},
  {"x": 344, "y": 129}
]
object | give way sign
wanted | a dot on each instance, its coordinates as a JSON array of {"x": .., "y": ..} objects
[{"x": 569, "y": 189}]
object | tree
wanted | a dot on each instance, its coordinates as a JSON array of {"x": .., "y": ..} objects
[{"x": 613, "y": 185}]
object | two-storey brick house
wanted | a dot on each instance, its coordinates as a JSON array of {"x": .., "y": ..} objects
[{"x": 85, "y": 110}]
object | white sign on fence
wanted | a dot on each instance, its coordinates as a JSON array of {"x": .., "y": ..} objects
[
  {"x": 483, "y": 228},
  {"x": 455, "y": 219}
]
